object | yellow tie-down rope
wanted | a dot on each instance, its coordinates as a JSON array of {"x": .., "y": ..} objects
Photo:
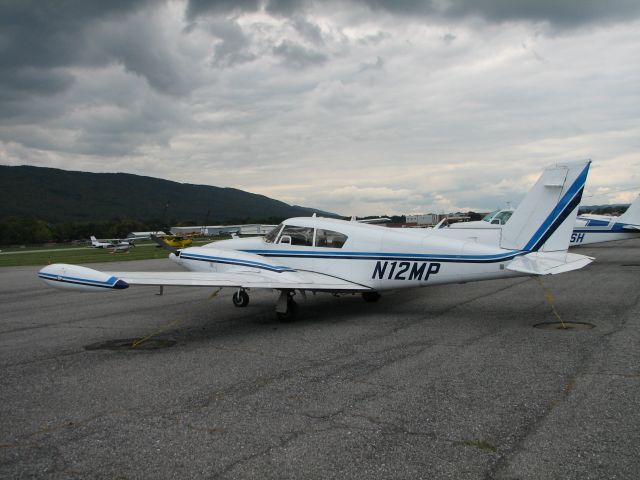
[
  {"x": 550, "y": 298},
  {"x": 172, "y": 323}
]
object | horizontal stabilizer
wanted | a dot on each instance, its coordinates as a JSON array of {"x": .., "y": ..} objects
[
  {"x": 628, "y": 226},
  {"x": 544, "y": 219},
  {"x": 548, "y": 263}
]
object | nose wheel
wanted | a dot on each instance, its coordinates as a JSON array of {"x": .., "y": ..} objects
[{"x": 240, "y": 298}]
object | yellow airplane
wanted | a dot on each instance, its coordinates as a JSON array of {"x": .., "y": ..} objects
[{"x": 176, "y": 241}]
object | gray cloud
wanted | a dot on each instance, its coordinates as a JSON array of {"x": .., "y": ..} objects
[
  {"x": 559, "y": 13},
  {"x": 38, "y": 35},
  {"x": 309, "y": 31},
  {"x": 50, "y": 34},
  {"x": 196, "y": 8},
  {"x": 378, "y": 64},
  {"x": 359, "y": 107},
  {"x": 297, "y": 56},
  {"x": 234, "y": 46}
]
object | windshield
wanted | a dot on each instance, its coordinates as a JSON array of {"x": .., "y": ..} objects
[
  {"x": 271, "y": 236},
  {"x": 294, "y": 235},
  {"x": 504, "y": 216},
  {"x": 489, "y": 216}
]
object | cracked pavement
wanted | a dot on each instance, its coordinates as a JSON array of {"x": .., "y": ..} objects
[{"x": 444, "y": 382}]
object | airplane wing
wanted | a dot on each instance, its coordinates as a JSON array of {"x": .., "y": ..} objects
[{"x": 82, "y": 278}]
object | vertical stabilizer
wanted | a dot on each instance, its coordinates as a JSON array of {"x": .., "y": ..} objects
[
  {"x": 632, "y": 215},
  {"x": 545, "y": 218}
]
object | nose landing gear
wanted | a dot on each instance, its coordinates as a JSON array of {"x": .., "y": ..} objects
[{"x": 240, "y": 298}]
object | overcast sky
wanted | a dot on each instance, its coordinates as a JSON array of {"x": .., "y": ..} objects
[{"x": 357, "y": 107}]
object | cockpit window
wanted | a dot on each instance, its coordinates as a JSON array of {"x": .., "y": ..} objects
[
  {"x": 299, "y": 235},
  {"x": 329, "y": 238},
  {"x": 504, "y": 216},
  {"x": 489, "y": 216},
  {"x": 271, "y": 236}
]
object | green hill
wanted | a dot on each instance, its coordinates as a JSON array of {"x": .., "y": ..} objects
[{"x": 55, "y": 196}]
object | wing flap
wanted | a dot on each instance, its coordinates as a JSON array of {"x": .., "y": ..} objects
[{"x": 284, "y": 280}]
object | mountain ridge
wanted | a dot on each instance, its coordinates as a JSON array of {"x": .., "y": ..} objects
[{"x": 56, "y": 195}]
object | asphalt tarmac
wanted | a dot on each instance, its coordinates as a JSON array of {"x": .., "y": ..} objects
[{"x": 444, "y": 382}]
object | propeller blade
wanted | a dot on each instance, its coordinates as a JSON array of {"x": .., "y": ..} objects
[{"x": 164, "y": 245}]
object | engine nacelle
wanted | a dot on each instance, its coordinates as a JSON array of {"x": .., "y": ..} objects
[{"x": 73, "y": 277}]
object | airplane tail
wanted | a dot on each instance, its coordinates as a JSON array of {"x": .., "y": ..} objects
[
  {"x": 544, "y": 220},
  {"x": 94, "y": 240},
  {"x": 632, "y": 215}
]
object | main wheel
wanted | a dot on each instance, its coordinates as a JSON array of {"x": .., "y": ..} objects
[
  {"x": 290, "y": 315},
  {"x": 240, "y": 298},
  {"x": 370, "y": 297}
]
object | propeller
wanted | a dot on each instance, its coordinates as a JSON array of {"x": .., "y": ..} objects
[{"x": 165, "y": 245}]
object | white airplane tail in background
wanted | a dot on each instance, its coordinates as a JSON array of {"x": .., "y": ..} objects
[
  {"x": 632, "y": 215},
  {"x": 545, "y": 218}
]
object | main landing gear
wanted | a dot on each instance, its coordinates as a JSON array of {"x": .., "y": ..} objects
[
  {"x": 370, "y": 297},
  {"x": 241, "y": 298},
  {"x": 286, "y": 307}
]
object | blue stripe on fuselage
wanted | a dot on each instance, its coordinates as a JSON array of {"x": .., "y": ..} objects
[
  {"x": 416, "y": 257},
  {"x": 597, "y": 223},
  {"x": 615, "y": 228}
]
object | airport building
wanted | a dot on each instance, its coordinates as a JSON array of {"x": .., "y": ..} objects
[
  {"x": 431, "y": 219},
  {"x": 144, "y": 235},
  {"x": 213, "y": 230},
  {"x": 424, "y": 220}
]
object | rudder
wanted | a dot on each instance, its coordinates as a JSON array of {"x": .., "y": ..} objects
[{"x": 545, "y": 218}]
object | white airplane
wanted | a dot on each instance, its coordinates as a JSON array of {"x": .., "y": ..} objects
[
  {"x": 588, "y": 228},
  {"x": 326, "y": 255},
  {"x": 116, "y": 245}
]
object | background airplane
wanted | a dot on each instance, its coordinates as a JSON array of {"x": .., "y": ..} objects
[
  {"x": 588, "y": 228},
  {"x": 177, "y": 241},
  {"x": 116, "y": 245},
  {"x": 337, "y": 256},
  {"x": 592, "y": 228}
]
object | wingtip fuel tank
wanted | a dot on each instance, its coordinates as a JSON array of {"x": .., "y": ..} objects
[{"x": 74, "y": 277}]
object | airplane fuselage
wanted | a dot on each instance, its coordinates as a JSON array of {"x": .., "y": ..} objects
[
  {"x": 376, "y": 257},
  {"x": 587, "y": 229},
  {"x": 607, "y": 229}
]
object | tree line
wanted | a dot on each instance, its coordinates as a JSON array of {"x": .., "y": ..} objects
[
  {"x": 19, "y": 231},
  {"x": 31, "y": 231}
]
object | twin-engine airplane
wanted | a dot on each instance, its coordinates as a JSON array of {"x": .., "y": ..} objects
[
  {"x": 325, "y": 255},
  {"x": 588, "y": 228}
]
